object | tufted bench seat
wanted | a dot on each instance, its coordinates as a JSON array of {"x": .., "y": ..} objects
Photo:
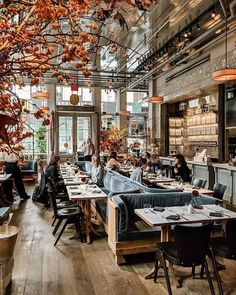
[{"x": 127, "y": 233}]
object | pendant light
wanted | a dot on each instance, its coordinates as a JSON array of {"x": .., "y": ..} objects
[
  {"x": 156, "y": 99},
  {"x": 226, "y": 74}
]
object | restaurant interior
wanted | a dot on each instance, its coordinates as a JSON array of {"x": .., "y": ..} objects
[{"x": 117, "y": 147}]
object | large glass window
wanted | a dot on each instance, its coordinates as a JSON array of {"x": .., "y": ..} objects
[
  {"x": 83, "y": 130},
  {"x": 135, "y": 103},
  {"x": 31, "y": 144},
  {"x": 63, "y": 94},
  {"x": 108, "y": 101}
]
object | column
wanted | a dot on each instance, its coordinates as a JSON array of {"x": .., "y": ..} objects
[
  {"x": 96, "y": 118},
  {"x": 123, "y": 121},
  {"x": 154, "y": 116},
  {"x": 221, "y": 123}
]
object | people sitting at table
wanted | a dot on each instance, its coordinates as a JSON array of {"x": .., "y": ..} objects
[
  {"x": 97, "y": 171},
  {"x": 52, "y": 171},
  {"x": 137, "y": 173},
  {"x": 181, "y": 169},
  {"x": 112, "y": 162}
]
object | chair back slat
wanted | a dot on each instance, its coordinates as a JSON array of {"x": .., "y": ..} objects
[
  {"x": 52, "y": 198},
  {"x": 219, "y": 190},
  {"x": 192, "y": 243},
  {"x": 198, "y": 182}
]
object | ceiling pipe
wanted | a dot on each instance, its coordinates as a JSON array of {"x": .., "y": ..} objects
[
  {"x": 166, "y": 21},
  {"x": 177, "y": 55}
]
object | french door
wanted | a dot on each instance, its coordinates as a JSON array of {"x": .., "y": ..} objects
[{"x": 73, "y": 131}]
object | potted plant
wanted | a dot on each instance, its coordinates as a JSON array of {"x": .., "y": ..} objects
[{"x": 41, "y": 141}]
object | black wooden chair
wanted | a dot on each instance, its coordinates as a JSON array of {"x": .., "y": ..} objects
[
  {"x": 188, "y": 250},
  {"x": 197, "y": 182},
  {"x": 226, "y": 246},
  {"x": 71, "y": 215},
  {"x": 61, "y": 199},
  {"x": 219, "y": 190}
]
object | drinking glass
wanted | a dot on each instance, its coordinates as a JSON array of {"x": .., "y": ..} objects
[{"x": 147, "y": 207}]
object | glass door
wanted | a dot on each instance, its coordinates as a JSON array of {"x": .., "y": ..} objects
[
  {"x": 65, "y": 135},
  {"x": 73, "y": 131}
]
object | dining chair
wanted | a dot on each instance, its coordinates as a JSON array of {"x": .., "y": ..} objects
[
  {"x": 219, "y": 190},
  {"x": 71, "y": 215},
  {"x": 225, "y": 246},
  {"x": 198, "y": 182},
  {"x": 189, "y": 249},
  {"x": 62, "y": 200}
]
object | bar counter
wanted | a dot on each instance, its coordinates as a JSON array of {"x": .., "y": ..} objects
[{"x": 213, "y": 173}]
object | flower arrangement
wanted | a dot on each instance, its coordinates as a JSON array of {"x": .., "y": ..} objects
[
  {"x": 117, "y": 134},
  {"x": 114, "y": 137}
]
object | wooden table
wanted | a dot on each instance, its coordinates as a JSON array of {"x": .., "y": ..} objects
[
  {"x": 186, "y": 188},
  {"x": 83, "y": 194},
  {"x": 158, "y": 179},
  {"x": 155, "y": 218}
]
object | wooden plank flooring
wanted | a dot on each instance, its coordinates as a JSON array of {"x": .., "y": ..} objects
[{"x": 74, "y": 268}]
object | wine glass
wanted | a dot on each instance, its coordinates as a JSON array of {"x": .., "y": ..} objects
[{"x": 76, "y": 170}]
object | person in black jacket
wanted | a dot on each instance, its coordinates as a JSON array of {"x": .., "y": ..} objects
[
  {"x": 52, "y": 171},
  {"x": 181, "y": 169}
]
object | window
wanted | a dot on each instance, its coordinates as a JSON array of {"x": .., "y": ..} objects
[
  {"x": 63, "y": 94},
  {"x": 135, "y": 103},
  {"x": 65, "y": 135},
  {"x": 108, "y": 101},
  {"x": 83, "y": 130}
]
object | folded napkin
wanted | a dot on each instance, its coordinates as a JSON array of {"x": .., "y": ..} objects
[
  {"x": 173, "y": 217},
  {"x": 215, "y": 214},
  {"x": 75, "y": 193},
  {"x": 96, "y": 191}
]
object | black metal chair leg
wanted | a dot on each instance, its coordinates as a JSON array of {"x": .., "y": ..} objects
[
  {"x": 156, "y": 269},
  {"x": 209, "y": 278},
  {"x": 163, "y": 263},
  {"x": 202, "y": 271},
  {"x": 193, "y": 271},
  {"x": 61, "y": 232},
  {"x": 56, "y": 227},
  {"x": 54, "y": 219},
  {"x": 212, "y": 256}
]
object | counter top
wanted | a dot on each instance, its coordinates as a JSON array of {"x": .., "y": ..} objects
[
  {"x": 224, "y": 166},
  {"x": 188, "y": 162}
]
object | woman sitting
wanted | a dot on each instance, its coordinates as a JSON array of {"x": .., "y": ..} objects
[
  {"x": 181, "y": 169},
  {"x": 97, "y": 171},
  {"x": 137, "y": 173},
  {"x": 52, "y": 171},
  {"x": 112, "y": 163}
]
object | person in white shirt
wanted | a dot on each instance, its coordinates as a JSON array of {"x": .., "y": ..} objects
[
  {"x": 97, "y": 171},
  {"x": 88, "y": 150},
  {"x": 11, "y": 162},
  {"x": 137, "y": 173}
]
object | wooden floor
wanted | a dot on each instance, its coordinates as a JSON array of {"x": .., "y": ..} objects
[{"x": 73, "y": 268}]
